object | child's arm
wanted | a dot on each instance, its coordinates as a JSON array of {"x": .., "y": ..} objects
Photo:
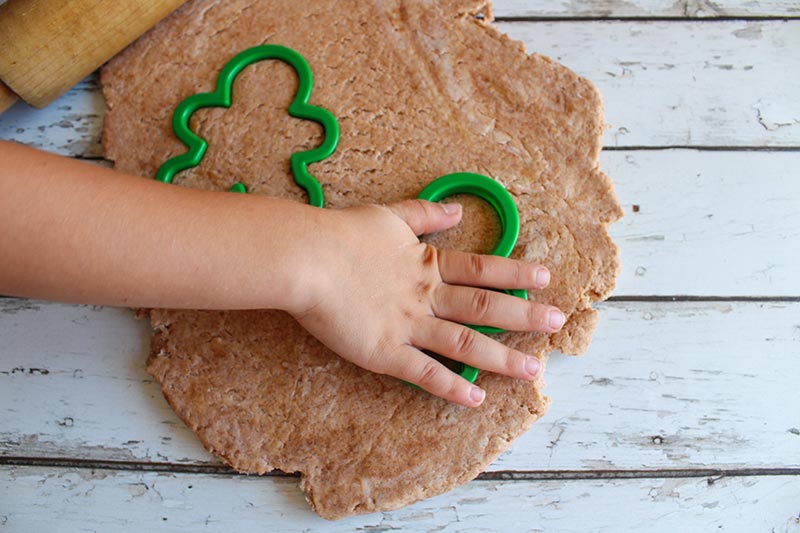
[{"x": 358, "y": 279}]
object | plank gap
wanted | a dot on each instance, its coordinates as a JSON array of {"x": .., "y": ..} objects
[
  {"x": 502, "y": 475},
  {"x": 700, "y": 298},
  {"x": 631, "y": 18},
  {"x": 702, "y": 148}
]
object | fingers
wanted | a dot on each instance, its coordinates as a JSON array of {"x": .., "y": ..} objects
[
  {"x": 427, "y": 217},
  {"x": 488, "y": 308},
  {"x": 461, "y": 268},
  {"x": 468, "y": 346},
  {"x": 412, "y": 365}
]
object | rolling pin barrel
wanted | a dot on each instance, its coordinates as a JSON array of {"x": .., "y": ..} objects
[
  {"x": 47, "y": 46},
  {"x": 7, "y": 97}
]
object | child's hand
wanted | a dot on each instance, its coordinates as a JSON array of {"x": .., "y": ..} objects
[
  {"x": 358, "y": 279},
  {"x": 381, "y": 296}
]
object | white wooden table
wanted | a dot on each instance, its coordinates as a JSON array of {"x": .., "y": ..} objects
[{"x": 683, "y": 416}]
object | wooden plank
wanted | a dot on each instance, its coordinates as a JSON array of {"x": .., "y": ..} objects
[
  {"x": 57, "y": 499},
  {"x": 723, "y": 83},
  {"x": 69, "y": 126},
  {"x": 689, "y": 215},
  {"x": 673, "y": 385},
  {"x": 665, "y": 385},
  {"x": 646, "y": 8},
  {"x": 110, "y": 408},
  {"x": 728, "y": 83},
  {"x": 707, "y": 223}
]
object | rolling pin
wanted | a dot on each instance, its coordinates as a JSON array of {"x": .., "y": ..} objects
[{"x": 47, "y": 46}]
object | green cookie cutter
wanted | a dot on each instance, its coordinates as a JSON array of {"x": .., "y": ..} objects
[
  {"x": 459, "y": 183},
  {"x": 221, "y": 97},
  {"x": 502, "y": 202}
]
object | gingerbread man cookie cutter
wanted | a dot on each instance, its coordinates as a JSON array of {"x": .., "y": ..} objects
[
  {"x": 478, "y": 185},
  {"x": 222, "y": 97}
]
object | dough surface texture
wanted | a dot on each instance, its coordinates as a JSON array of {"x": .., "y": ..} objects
[{"x": 420, "y": 89}]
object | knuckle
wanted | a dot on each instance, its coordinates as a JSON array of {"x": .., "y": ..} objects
[
  {"x": 454, "y": 391},
  {"x": 466, "y": 341},
  {"x": 481, "y": 303},
  {"x": 428, "y": 374},
  {"x": 377, "y": 359},
  {"x": 430, "y": 255},
  {"x": 423, "y": 207},
  {"x": 476, "y": 265},
  {"x": 423, "y": 291},
  {"x": 520, "y": 273},
  {"x": 514, "y": 363},
  {"x": 535, "y": 315}
]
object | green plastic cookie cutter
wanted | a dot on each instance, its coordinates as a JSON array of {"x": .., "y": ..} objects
[
  {"x": 459, "y": 183},
  {"x": 502, "y": 202},
  {"x": 221, "y": 97}
]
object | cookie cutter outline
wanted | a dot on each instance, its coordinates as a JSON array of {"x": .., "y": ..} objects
[
  {"x": 478, "y": 185},
  {"x": 222, "y": 96}
]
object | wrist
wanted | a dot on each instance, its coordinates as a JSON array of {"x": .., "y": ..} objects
[
  {"x": 301, "y": 270},
  {"x": 331, "y": 255}
]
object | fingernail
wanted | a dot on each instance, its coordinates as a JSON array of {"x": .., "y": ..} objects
[
  {"x": 556, "y": 319},
  {"x": 542, "y": 277},
  {"x": 532, "y": 366},
  {"x": 476, "y": 394},
  {"x": 451, "y": 209}
]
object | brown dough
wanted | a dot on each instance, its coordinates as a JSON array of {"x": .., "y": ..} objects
[{"x": 420, "y": 89}]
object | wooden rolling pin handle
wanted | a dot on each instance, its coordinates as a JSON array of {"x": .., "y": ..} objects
[
  {"x": 7, "y": 97},
  {"x": 47, "y": 46}
]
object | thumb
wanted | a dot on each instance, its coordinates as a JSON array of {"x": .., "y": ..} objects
[{"x": 427, "y": 217}]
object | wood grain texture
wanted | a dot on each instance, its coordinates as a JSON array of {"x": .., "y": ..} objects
[
  {"x": 646, "y": 8},
  {"x": 7, "y": 97},
  {"x": 683, "y": 83},
  {"x": 707, "y": 223},
  {"x": 69, "y": 126},
  {"x": 56, "y": 499},
  {"x": 47, "y": 46},
  {"x": 672, "y": 385},
  {"x": 726, "y": 83}
]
